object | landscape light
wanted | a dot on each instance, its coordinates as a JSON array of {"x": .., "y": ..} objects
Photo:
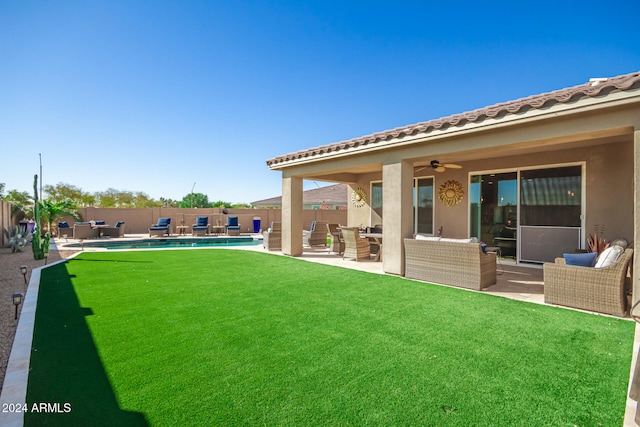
[
  {"x": 17, "y": 300},
  {"x": 23, "y": 270}
]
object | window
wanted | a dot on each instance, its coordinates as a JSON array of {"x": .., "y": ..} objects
[
  {"x": 551, "y": 197},
  {"x": 423, "y": 205},
  {"x": 376, "y": 203}
]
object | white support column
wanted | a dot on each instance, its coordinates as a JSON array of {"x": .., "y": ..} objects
[
  {"x": 397, "y": 215},
  {"x": 292, "y": 216}
]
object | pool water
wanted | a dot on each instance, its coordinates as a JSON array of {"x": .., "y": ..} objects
[{"x": 170, "y": 243}]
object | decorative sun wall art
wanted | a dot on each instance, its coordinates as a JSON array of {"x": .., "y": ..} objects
[
  {"x": 358, "y": 197},
  {"x": 450, "y": 193}
]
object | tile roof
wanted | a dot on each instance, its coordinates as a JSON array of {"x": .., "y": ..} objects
[
  {"x": 337, "y": 193},
  {"x": 593, "y": 88}
]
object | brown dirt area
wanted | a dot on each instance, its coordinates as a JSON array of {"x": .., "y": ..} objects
[{"x": 11, "y": 280}]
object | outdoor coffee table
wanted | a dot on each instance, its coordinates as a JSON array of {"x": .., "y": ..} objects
[{"x": 217, "y": 229}]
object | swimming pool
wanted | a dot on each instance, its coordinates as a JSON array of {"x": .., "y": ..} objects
[{"x": 202, "y": 242}]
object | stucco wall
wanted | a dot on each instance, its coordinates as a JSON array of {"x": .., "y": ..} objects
[
  {"x": 609, "y": 187},
  {"x": 137, "y": 221}
]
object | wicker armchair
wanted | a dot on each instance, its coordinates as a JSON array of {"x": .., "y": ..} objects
[
  {"x": 455, "y": 263},
  {"x": 588, "y": 288},
  {"x": 116, "y": 231},
  {"x": 355, "y": 246},
  {"x": 84, "y": 231},
  {"x": 317, "y": 235},
  {"x": 272, "y": 240}
]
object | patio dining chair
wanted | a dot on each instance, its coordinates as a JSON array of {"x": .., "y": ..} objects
[
  {"x": 162, "y": 227},
  {"x": 355, "y": 246},
  {"x": 201, "y": 227},
  {"x": 316, "y": 236},
  {"x": 337, "y": 242}
]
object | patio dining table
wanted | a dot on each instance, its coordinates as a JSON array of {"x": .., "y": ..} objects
[{"x": 377, "y": 237}]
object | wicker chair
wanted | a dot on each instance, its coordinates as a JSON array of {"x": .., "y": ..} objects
[
  {"x": 84, "y": 231},
  {"x": 233, "y": 226},
  {"x": 452, "y": 263},
  {"x": 317, "y": 235},
  {"x": 337, "y": 242},
  {"x": 116, "y": 231},
  {"x": 201, "y": 227},
  {"x": 355, "y": 246},
  {"x": 272, "y": 240},
  {"x": 162, "y": 227},
  {"x": 588, "y": 288}
]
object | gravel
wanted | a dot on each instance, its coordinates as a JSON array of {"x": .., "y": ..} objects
[{"x": 12, "y": 280}]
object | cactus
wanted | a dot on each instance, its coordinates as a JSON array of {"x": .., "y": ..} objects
[
  {"x": 18, "y": 237},
  {"x": 40, "y": 246}
]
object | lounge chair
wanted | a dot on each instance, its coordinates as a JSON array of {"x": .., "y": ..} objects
[
  {"x": 588, "y": 288},
  {"x": 161, "y": 228},
  {"x": 355, "y": 246},
  {"x": 272, "y": 238},
  {"x": 337, "y": 242},
  {"x": 317, "y": 235},
  {"x": 233, "y": 227},
  {"x": 201, "y": 227},
  {"x": 115, "y": 231},
  {"x": 84, "y": 230}
]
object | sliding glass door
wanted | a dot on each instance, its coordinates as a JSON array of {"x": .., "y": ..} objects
[
  {"x": 532, "y": 215},
  {"x": 494, "y": 210}
]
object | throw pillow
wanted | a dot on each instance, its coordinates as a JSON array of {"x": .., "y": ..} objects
[
  {"x": 423, "y": 237},
  {"x": 582, "y": 260},
  {"x": 609, "y": 256}
]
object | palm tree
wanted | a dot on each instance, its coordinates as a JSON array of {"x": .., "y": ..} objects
[{"x": 52, "y": 211}]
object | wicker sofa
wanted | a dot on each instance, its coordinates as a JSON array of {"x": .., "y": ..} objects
[
  {"x": 449, "y": 262},
  {"x": 588, "y": 288}
]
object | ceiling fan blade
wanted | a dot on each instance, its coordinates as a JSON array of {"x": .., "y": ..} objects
[
  {"x": 440, "y": 169},
  {"x": 451, "y": 166},
  {"x": 418, "y": 169}
]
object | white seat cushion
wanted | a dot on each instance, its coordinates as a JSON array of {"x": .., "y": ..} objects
[{"x": 609, "y": 256}]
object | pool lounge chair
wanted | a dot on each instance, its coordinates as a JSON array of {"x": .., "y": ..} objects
[
  {"x": 115, "y": 231},
  {"x": 161, "y": 228},
  {"x": 201, "y": 227},
  {"x": 233, "y": 227}
]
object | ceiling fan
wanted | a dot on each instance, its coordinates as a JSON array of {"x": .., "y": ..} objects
[{"x": 440, "y": 167}]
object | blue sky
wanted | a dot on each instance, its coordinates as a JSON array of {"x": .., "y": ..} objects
[{"x": 155, "y": 96}]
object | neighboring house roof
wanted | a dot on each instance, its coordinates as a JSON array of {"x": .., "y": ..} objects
[
  {"x": 331, "y": 194},
  {"x": 595, "y": 88}
]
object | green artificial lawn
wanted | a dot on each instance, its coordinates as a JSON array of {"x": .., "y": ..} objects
[{"x": 225, "y": 337}]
